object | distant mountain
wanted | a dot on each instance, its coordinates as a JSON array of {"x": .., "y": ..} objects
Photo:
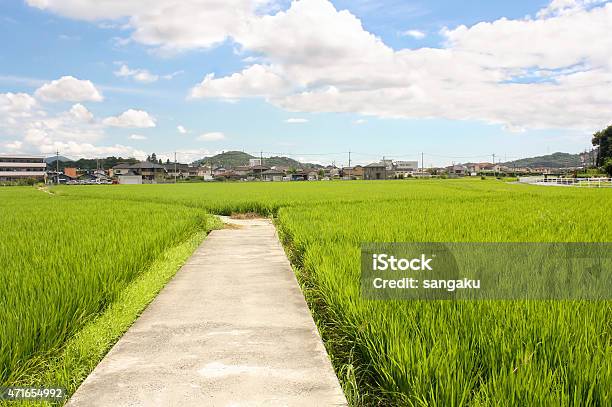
[
  {"x": 53, "y": 158},
  {"x": 231, "y": 159},
  {"x": 555, "y": 160}
]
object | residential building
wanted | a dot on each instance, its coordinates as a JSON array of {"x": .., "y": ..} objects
[
  {"x": 406, "y": 166},
  {"x": 298, "y": 175},
  {"x": 16, "y": 167},
  {"x": 355, "y": 172},
  {"x": 177, "y": 170},
  {"x": 150, "y": 172},
  {"x": 120, "y": 169},
  {"x": 71, "y": 172},
  {"x": 376, "y": 171},
  {"x": 257, "y": 170},
  {"x": 253, "y": 162},
  {"x": 458, "y": 169},
  {"x": 130, "y": 178},
  {"x": 272, "y": 175},
  {"x": 313, "y": 175},
  {"x": 242, "y": 170}
]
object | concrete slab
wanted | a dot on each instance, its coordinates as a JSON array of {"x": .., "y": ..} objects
[{"x": 231, "y": 329}]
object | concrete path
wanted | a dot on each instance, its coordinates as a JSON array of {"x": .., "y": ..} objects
[{"x": 231, "y": 329}]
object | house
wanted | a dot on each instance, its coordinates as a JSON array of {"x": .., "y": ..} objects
[
  {"x": 355, "y": 172},
  {"x": 20, "y": 167},
  {"x": 58, "y": 178},
  {"x": 242, "y": 170},
  {"x": 458, "y": 169},
  {"x": 120, "y": 169},
  {"x": 313, "y": 175},
  {"x": 177, "y": 170},
  {"x": 299, "y": 175},
  {"x": 204, "y": 171},
  {"x": 332, "y": 171},
  {"x": 406, "y": 166},
  {"x": 375, "y": 171},
  {"x": 229, "y": 175},
  {"x": 254, "y": 162},
  {"x": 129, "y": 178},
  {"x": 257, "y": 170},
  {"x": 272, "y": 175},
  {"x": 71, "y": 172},
  {"x": 218, "y": 171},
  {"x": 149, "y": 171}
]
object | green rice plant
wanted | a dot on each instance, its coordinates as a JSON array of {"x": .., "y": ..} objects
[
  {"x": 385, "y": 352},
  {"x": 64, "y": 260}
]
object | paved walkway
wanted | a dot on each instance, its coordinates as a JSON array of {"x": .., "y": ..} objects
[{"x": 231, "y": 329}]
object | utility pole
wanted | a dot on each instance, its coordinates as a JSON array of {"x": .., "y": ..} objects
[
  {"x": 422, "y": 164},
  {"x": 385, "y": 167},
  {"x": 349, "y": 165},
  {"x": 175, "y": 167},
  {"x": 261, "y": 165},
  {"x": 494, "y": 170},
  {"x": 57, "y": 166}
]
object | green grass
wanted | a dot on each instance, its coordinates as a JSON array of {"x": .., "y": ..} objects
[
  {"x": 420, "y": 352},
  {"x": 66, "y": 261}
]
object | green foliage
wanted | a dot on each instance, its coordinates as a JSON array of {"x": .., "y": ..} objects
[
  {"x": 419, "y": 352},
  {"x": 607, "y": 167},
  {"x": 385, "y": 352},
  {"x": 603, "y": 141},
  {"x": 65, "y": 260},
  {"x": 555, "y": 160}
]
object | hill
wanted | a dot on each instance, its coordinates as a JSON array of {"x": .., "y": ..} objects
[
  {"x": 555, "y": 160},
  {"x": 62, "y": 159},
  {"x": 231, "y": 159}
]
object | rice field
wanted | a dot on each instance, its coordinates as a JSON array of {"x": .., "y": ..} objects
[
  {"x": 416, "y": 353},
  {"x": 63, "y": 262}
]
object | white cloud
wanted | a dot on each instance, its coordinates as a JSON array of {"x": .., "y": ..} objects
[
  {"x": 546, "y": 72},
  {"x": 69, "y": 88},
  {"x": 137, "y": 137},
  {"x": 140, "y": 75},
  {"x": 14, "y": 105},
  {"x": 181, "y": 129},
  {"x": 296, "y": 120},
  {"x": 360, "y": 121},
  {"x": 72, "y": 132},
  {"x": 416, "y": 34},
  {"x": 168, "y": 24},
  {"x": 254, "y": 81},
  {"x": 88, "y": 150},
  {"x": 13, "y": 145},
  {"x": 80, "y": 113},
  {"x": 131, "y": 118},
  {"x": 213, "y": 136}
]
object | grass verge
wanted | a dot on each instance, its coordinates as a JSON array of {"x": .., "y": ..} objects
[{"x": 83, "y": 352}]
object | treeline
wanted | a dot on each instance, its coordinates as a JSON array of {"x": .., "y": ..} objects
[{"x": 91, "y": 164}]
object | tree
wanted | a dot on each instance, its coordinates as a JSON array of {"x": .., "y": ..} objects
[
  {"x": 153, "y": 158},
  {"x": 148, "y": 158},
  {"x": 607, "y": 167},
  {"x": 603, "y": 141},
  {"x": 167, "y": 161}
]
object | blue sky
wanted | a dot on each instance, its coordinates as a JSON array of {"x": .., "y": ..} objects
[{"x": 411, "y": 80}]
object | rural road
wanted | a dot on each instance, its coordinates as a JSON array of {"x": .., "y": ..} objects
[{"x": 231, "y": 329}]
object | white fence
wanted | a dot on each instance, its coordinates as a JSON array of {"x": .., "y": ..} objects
[{"x": 569, "y": 182}]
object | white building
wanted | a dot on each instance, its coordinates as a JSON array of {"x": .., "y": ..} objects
[
  {"x": 16, "y": 167},
  {"x": 253, "y": 162},
  {"x": 407, "y": 165}
]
